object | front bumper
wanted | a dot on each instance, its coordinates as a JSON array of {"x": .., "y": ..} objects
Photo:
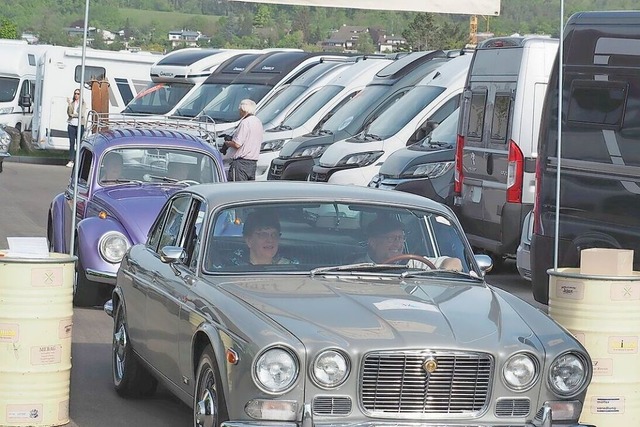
[
  {"x": 101, "y": 276},
  {"x": 293, "y": 169}
]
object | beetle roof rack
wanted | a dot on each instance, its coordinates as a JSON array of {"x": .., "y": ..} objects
[{"x": 101, "y": 122}]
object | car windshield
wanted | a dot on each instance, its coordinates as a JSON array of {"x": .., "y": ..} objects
[
  {"x": 444, "y": 134},
  {"x": 300, "y": 237},
  {"x": 8, "y": 88},
  {"x": 199, "y": 98},
  {"x": 348, "y": 112},
  {"x": 157, "y": 165},
  {"x": 279, "y": 102},
  {"x": 310, "y": 106},
  {"x": 224, "y": 107},
  {"x": 403, "y": 111},
  {"x": 158, "y": 98}
]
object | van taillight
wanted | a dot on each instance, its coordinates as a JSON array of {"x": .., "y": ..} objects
[
  {"x": 515, "y": 170},
  {"x": 457, "y": 174},
  {"x": 536, "y": 201}
]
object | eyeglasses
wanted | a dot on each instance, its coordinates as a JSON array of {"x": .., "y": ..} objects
[
  {"x": 76, "y": 93},
  {"x": 267, "y": 234},
  {"x": 393, "y": 238}
]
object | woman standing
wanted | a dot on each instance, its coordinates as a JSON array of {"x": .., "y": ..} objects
[{"x": 75, "y": 117}]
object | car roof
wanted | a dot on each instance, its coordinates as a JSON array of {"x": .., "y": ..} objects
[
  {"x": 291, "y": 191},
  {"x": 157, "y": 137}
]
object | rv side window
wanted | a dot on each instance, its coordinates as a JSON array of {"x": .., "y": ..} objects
[
  {"x": 500, "y": 121},
  {"x": 476, "y": 114},
  {"x": 597, "y": 103},
  {"x": 90, "y": 73},
  {"x": 32, "y": 59}
]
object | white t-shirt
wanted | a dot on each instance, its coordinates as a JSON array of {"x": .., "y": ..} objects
[{"x": 249, "y": 136}]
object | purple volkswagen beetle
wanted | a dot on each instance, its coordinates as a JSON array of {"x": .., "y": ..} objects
[{"x": 125, "y": 175}]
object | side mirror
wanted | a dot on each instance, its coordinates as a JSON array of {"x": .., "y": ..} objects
[
  {"x": 25, "y": 101},
  {"x": 484, "y": 262},
  {"x": 172, "y": 255}
]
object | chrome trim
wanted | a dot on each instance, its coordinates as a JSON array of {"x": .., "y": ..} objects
[
  {"x": 108, "y": 307},
  {"x": 100, "y": 276}
]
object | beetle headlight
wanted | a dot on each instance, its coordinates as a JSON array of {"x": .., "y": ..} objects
[
  {"x": 330, "y": 369},
  {"x": 429, "y": 170},
  {"x": 112, "y": 246},
  {"x": 315, "y": 151},
  {"x": 568, "y": 374},
  {"x": 275, "y": 370},
  {"x": 275, "y": 145},
  {"x": 520, "y": 371},
  {"x": 361, "y": 159}
]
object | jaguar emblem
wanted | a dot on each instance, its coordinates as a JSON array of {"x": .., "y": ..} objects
[{"x": 430, "y": 365}]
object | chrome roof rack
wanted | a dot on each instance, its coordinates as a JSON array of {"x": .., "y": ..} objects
[{"x": 204, "y": 127}]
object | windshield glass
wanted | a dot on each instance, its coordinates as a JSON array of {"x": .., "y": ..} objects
[
  {"x": 310, "y": 106},
  {"x": 445, "y": 133},
  {"x": 224, "y": 107},
  {"x": 279, "y": 102},
  {"x": 8, "y": 88},
  {"x": 401, "y": 113},
  {"x": 158, "y": 98},
  {"x": 352, "y": 109},
  {"x": 201, "y": 96},
  {"x": 156, "y": 165},
  {"x": 304, "y": 236}
]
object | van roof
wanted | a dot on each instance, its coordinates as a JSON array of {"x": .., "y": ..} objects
[
  {"x": 229, "y": 69},
  {"x": 407, "y": 63},
  {"x": 512, "y": 41},
  {"x": 185, "y": 57},
  {"x": 618, "y": 17}
]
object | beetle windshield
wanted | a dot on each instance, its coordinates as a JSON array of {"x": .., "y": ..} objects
[{"x": 303, "y": 237}]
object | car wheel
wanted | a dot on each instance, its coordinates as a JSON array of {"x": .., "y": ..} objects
[
  {"x": 208, "y": 407},
  {"x": 130, "y": 378},
  {"x": 85, "y": 292}
]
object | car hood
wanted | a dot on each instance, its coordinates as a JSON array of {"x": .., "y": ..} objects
[
  {"x": 404, "y": 158},
  {"x": 397, "y": 314},
  {"x": 135, "y": 207}
]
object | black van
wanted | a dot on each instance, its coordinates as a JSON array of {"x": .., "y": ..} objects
[{"x": 600, "y": 146}]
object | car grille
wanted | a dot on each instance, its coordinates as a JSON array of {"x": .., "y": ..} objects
[
  {"x": 275, "y": 172},
  {"x": 331, "y": 405},
  {"x": 395, "y": 383},
  {"x": 318, "y": 177},
  {"x": 513, "y": 407}
]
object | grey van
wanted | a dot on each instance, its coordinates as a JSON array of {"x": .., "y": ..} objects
[
  {"x": 600, "y": 157},
  {"x": 496, "y": 149}
]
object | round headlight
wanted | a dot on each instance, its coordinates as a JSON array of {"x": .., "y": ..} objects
[
  {"x": 568, "y": 374},
  {"x": 113, "y": 245},
  {"x": 520, "y": 372},
  {"x": 276, "y": 370},
  {"x": 330, "y": 369}
]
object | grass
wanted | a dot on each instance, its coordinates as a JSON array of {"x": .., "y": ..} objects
[{"x": 172, "y": 20}]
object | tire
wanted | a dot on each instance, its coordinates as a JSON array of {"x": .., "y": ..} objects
[
  {"x": 85, "y": 292},
  {"x": 130, "y": 378},
  {"x": 208, "y": 401}
]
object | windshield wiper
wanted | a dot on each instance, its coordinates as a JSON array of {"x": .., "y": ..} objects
[
  {"x": 363, "y": 266},
  {"x": 324, "y": 132},
  {"x": 372, "y": 136}
]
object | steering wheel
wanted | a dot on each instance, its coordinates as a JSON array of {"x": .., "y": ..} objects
[
  {"x": 188, "y": 182},
  {"x": 407, "y": 257}
]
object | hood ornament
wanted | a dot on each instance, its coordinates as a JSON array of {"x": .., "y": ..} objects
[{"x": 430, "y": 365}]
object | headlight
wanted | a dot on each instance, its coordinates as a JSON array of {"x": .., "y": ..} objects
[
  {"x": 330, "y": 369},
  {"x": 315, "y": 151},
  {"x": 113, "y": 245},
  {"x": 276, "y": 370},
  {"x": 520, "y": 372},
  {"x": 275, "y": 145},
  {"x": 429, "y": 170},
  {"x": 361, "y": 159},
  {"x": 375, "y": 180},
  {"x": 568, "y": 374},
  {"x": 6, "y": 110}
]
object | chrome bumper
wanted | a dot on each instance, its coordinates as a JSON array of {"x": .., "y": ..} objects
[{"x": 100, "y": 276}]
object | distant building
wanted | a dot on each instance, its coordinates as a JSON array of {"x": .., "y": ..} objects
[
  {"x": 30, "y": 38},
  {"x": 387, "y": 43},
  {"x": 345, "y": 39},
  {"x": 186, "y": 38}
]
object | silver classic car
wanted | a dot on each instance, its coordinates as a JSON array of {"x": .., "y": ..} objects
[{"x": 307, "y": 304}]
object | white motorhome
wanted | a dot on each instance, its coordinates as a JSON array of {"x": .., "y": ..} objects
[
  {"x": 59, "y": 72},
  {"x": 17, "y": 81},
  {"x": 357, "y": 160}
]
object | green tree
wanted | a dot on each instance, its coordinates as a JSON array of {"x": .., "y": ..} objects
[
  {"x": 419, "y": 33},
  {"x": 8, "y": 30},
  {"x": 262, "y": 17},
  {"x": 365, "y": 43}
]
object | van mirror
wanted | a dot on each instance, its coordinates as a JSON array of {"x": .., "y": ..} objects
[
  {"x": 422, "y": 132},
  {"x": 25, "y": 101}
]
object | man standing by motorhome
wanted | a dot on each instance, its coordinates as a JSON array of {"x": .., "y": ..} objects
[
  {"x": 75, "y": 117},
  {"x": 245, "y": 144}
]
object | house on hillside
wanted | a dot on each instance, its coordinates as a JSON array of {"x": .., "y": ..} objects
[
  {"x": 387, "y": 43},
  {"x": 187, "y": 38},
  {"x": 345, "y": 39}
]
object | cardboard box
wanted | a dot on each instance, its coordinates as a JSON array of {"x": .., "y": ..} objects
[{"x": 606, "y": 262}]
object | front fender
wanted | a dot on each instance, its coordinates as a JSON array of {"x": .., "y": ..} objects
[
  {"x": 55, "y": 226},
  {"x": 90, "y": 230}
]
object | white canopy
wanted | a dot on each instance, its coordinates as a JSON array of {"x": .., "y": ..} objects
[{"x": 467, "y": 7}]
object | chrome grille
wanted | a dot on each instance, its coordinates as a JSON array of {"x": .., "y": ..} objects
[
  {"x": 319, "y": 177},
  {"x": 276, "y": 171},
  {"x": 331, "y": 405},
  {"x": 513, "y": 407},
  {"x": 395, "y": 383}
]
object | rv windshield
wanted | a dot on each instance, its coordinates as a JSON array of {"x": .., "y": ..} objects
[
  {"x": 224, "y": 108},
  {"x": 158, "y": 98},
  {"x": 8, "y": 88},
  {"x": 195, "y": 103},
  {"x": 354, "y": 108},
  {"x": 310, "y": 106},
  {"x": 279, "y": 102},
  {"x": 403, "y": 111}
]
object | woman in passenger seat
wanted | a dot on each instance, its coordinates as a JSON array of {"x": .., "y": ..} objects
[{"x": 261, "y": 233}]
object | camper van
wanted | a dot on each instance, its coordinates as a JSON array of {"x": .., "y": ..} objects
[
  {"x": 496, "y": 150},
  {"x": 17, "y": 81},
  {"x": 59, "y": 72},
  {"x": 175, "y": 77},
  {"x": 600, "y": 154}
]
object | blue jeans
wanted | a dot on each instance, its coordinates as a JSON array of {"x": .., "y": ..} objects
[{"x": 72, "y": 130}]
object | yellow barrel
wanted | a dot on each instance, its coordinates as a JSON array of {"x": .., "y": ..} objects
[
  {"x": 603, "y": 313},
  {"x": 36, "y": 312}
]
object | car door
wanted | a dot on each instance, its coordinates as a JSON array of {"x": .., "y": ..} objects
[{"x": 82, "y": 197}]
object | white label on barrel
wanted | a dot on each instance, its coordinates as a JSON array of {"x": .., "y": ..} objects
[
  {"x": 625, "y": 291},
  {"x": 607, "y": 405},
  {"x": 570, "y": 290},
  {"x": 25, "y": 413},
  {"x": 46, "y": 354},
  {"x": 64, "y": 328},
  {"x": 602, "y": 367},
  {"x": 9, "y": 332},
  {"x": 623, "y": 345},
  {"x": 46, "y": 277}
]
